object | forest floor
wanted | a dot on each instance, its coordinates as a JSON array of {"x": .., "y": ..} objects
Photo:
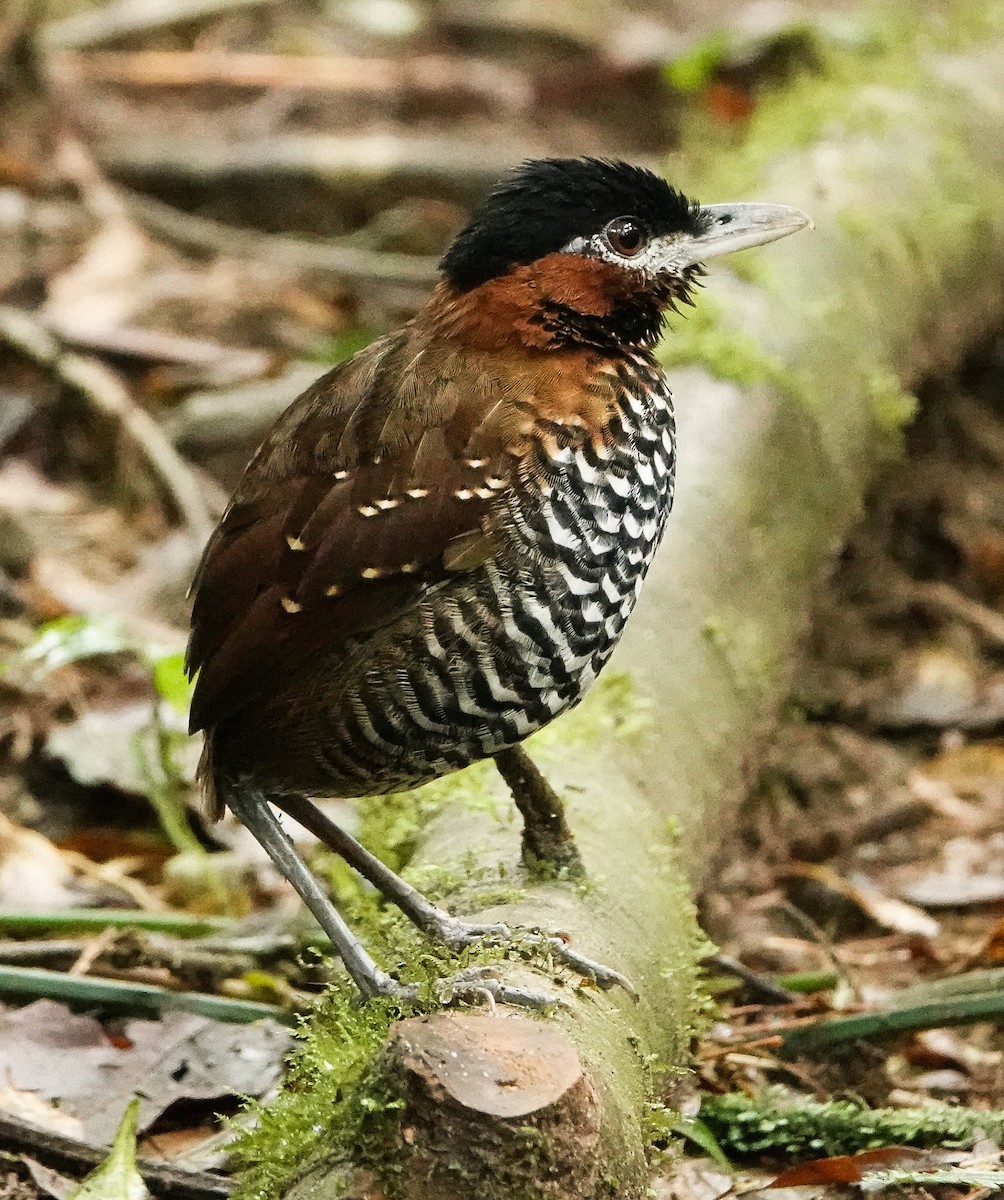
[{"x": 868, "y": 855}]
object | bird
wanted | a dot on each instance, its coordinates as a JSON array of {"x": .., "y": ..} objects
[{"x": 435, "y": 549}]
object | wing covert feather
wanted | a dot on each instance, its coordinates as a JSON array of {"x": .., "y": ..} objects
[{"x": 324, "y": 541}]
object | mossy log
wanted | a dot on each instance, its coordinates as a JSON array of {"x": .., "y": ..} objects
[{"x": 790, "y": 403}]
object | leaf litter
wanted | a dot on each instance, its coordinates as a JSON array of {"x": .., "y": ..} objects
[
  {"x": 867, "y": 862},
  {"x": 72, "y": 1061}
]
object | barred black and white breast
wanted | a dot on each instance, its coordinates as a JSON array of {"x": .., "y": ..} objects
[
  {"x": 423, "y": 607},
  {"x": 490, "y": 656}
]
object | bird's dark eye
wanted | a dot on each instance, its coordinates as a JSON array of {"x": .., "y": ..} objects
[{"x": 626, "y": 236}]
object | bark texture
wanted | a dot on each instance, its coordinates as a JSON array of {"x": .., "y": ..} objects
[{"x": 905, "y": 269}]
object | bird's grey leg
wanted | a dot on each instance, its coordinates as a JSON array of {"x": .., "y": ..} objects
[
  {"x": 547, "y": 839},
  {"x": 435, "y": 922},
  {"x": 432, "y": 921},
  {"x": 252, "y": 808}
]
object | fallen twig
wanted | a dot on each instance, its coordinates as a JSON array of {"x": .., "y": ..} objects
[
  {"x": 292, "y": 253},
  {"x": 425, "y": 73},
  {"x": 166, "y": 1179},
  {"x": 184, "y": 958},
  {"x": 463, "y": 168},
  {"x": 227, "y": 416},
  {"x": 56, "y": 955},
  {"x": 105, "y": 392},
  {"x": 215, "y": 363},
  {"x": 124, "y": 18}
]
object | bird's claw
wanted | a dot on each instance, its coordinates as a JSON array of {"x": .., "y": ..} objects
[
  {"x": 472, "y": 983},
  {"x": 486, "y": 982},
  {"x": 603, "y": 976},
  {"x": 459, "y": 934}
]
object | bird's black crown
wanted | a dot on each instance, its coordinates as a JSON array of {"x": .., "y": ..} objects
[{"x": 546, "y": 203}]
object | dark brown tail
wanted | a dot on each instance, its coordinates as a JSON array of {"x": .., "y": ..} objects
[{"x": 213, "y": 801}]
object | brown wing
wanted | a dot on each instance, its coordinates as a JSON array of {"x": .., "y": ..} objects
[{"x": 374, "y": 484}]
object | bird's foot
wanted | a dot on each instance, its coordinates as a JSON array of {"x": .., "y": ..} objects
[
  {"x": 472, "y": 985},
  {"x": 459, "y": 934},
  {"x": 434, "y": 922},
  {"x": 599, "y": 973},
  {"x": 485, "y": 983}
]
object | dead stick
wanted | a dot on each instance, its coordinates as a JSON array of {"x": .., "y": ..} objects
[
  {"x": 105, "y": 392},
  {"x": 121, "y": 18},
  {"x": 328, "y": 73},
  {"x": 19, "y": 1136},
  {"x": 298, "y": 254}
]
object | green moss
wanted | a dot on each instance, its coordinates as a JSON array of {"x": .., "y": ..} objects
[
  {"x": 892, "y": 407},
  {"x": 843, "y": 87},
  {"x": 784, "y": 1125},
  {"x": 335, "y": 1105},
  {"x": 726, "y": 352},
  {"x": 703, "y": 1008},
  {"x": 323, "y": 1106},
  {"x": 466, "y": 887},
  {"x": 390, "y": 825}
]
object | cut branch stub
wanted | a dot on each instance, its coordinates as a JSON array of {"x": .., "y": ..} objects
[
  {"x": 502, "y": 1066},
  {"x": 494, "y": 1105},
  {"x": 491, "y": 1106}
]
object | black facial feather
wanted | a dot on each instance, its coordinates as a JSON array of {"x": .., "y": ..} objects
[{"x": 543, "y": 205}]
